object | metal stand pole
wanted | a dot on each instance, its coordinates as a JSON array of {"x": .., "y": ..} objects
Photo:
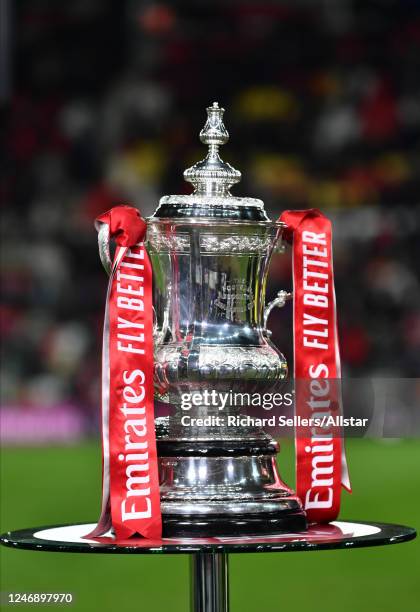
[{"x": 209, "y": 582}]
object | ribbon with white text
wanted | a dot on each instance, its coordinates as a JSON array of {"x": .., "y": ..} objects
[
  {"x": 130, "y": 482},
  {"x": 321, "y": 466}
]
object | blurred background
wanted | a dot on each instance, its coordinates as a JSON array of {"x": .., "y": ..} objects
[{"x": 102, "y": 102}]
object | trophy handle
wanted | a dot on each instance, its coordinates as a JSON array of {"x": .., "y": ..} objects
[
  {"x": 159, "y": 334},
  {"x": 105, "y": 256},
  {"x": 103, "y": 244},
  {"x": 279, "y": 301}
]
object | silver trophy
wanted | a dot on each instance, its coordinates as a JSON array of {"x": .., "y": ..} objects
[{"x": 210, "y": 252}]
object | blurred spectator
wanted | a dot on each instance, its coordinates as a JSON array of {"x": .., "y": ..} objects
[{"x": 107, "y": 99}]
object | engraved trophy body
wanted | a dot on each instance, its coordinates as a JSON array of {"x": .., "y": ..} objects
[{"x": 210, "y": 253}]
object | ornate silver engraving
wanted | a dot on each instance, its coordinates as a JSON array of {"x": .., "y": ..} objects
[
  {"x": 217, "y": 363},
  {"x": 179, "y": 243},
  {"x": 212, "y": 200},
  {"x": 246, "y": 363},
  {"x": 213, "y": 243},
  {"x": 234, "y": 298}
]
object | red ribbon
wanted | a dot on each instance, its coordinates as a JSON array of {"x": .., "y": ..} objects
[
  {"x": 130, "y": 488},
  {"x": 321, "y": 467}
]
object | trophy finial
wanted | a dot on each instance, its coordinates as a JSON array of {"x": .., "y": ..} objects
[
  {"x": 214, "y": 131},
  {"x": 212, "y": 176}
]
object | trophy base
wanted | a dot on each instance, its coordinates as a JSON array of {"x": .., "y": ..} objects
[
  {"x": 196, "y": 526},
  {"x": 228, "y": 487}
]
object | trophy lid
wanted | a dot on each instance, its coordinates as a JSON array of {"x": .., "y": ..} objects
[
  {"x": 212, "y": 179},
  {"x": 212, "y": 176}
]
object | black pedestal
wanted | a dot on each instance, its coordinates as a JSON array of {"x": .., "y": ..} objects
[{"x": 209, "y": 556}]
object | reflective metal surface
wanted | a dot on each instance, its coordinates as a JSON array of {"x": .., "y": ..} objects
[
  {"x": 210, "y": 253},
  {"x": 209, "y": 582},
  {"x": 212, "y": 179},
  {"x": 339, "y": 534},
  {"x": 209, "y": 292},
  {"x": 103, "y": 244},
  {"x": 216, "y": 485},
  {"x": 279, "y": 301},
  {"x": 212, "y": 176}
]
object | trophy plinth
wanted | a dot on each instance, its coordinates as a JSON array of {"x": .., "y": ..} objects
[{"x": 210, "y": 253}]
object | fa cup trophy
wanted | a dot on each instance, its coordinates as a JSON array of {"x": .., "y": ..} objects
[
  {"x": 207, "y": 260},
  {"x": 210, "y": 253}
]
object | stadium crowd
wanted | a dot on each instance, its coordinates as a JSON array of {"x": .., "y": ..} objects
[{"x": 105, "y": 103}]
